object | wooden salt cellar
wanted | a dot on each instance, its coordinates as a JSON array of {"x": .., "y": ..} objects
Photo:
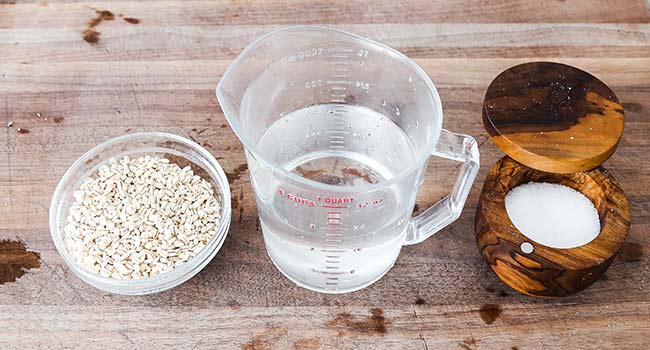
[{"x": 556, "y": 124}]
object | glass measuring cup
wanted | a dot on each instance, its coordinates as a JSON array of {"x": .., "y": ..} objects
[{"x": 338, "y": 130}]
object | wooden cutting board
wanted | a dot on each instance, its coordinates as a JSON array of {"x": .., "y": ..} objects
[{"x": 75, "y": 73}]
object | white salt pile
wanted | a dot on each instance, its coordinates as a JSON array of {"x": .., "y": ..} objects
[{"x": 554, "y": 215}]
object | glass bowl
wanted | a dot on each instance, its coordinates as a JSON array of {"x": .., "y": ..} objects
[{"x": 180, "y": 151}]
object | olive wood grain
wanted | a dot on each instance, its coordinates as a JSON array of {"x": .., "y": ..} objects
[
  {"x": 553, "y": 117},
  {"x": 549, "y": 272}
]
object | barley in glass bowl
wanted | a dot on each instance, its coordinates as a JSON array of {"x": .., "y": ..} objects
[{"x": 178, "y": 150}]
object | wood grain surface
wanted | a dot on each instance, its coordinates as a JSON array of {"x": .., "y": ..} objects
[
  {"x": 553, "y": 117},
  {"x": 548, "y": 272},
  {"x": 66, "y": 89}
]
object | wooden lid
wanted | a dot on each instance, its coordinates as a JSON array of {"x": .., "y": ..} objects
[{"x": 553, "y": 117}]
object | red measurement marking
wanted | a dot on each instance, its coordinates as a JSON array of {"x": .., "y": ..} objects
[
  {"x": 334, "y": 224},
  {"x": 375, "y": 203},
  {"x": 335, "y": 212},
  {"x": 335, "y": 200},
  {"x": 335, "y": 219},
  {"x": 300, "y": 200},
  {"x": 296, "y": 198},
  {"x": 336, "y": 206}
]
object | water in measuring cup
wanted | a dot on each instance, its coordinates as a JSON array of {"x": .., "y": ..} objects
[{"x": 341, "y": 247}]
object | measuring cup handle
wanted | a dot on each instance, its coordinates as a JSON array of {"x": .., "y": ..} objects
[{"x": 461, "y": 148}]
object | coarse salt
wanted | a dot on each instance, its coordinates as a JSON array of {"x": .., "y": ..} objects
[
  {"x": 140, "y": 217},
  {"x": 554, "y": 215}
]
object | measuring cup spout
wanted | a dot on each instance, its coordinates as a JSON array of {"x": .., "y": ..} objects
[
  {"x": 230, "y": 92},
  {"x": 240, "y": 99}
]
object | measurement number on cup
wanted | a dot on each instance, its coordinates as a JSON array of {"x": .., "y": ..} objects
[
  {"x": 375, "y": 203},
  {"x": 330, "y": 201},
  {"x": 295, "y": 198},
  {"x": 302, "y": 54}
]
